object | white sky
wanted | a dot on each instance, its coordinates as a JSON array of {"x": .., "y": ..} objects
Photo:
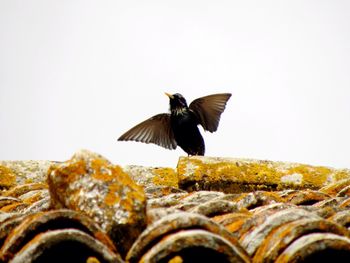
[{"x": 78, "y": 74}]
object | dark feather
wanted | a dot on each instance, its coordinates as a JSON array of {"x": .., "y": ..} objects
[
  {"x": 156, "y": 129},
  {"x": 208, "y": 110}
]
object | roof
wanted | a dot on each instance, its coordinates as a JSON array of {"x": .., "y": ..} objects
[{"x": 207, "y": 208}]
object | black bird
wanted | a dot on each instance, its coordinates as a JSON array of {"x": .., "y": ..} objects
[{"x": 180, "y": 126}]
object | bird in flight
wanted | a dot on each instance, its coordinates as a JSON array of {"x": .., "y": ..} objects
[{"x": 179, "y": 127}]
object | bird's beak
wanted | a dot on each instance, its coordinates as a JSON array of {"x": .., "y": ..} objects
[{"x": 169, "y": 95}]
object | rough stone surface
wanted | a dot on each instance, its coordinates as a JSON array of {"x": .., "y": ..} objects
[
  {"x": 152, "y": 176},
  {"x": 254, "y": 237},
  {"x": 194, "y": 246},
  {"x": 91, "y": 184},
  {"x": 23, "y": 172},
  {"x": 36, "y": 223},
  {"x": 237, "y": 175},
  {"x": 249, "y": 211},
  {"x": 7, "y": 177},
  {"x": 317, "y": 247},
  {"x": 177, "y": 222},
  {"x": 276, "y": 242}
]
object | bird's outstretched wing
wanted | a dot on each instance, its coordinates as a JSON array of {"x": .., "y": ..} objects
[
  {"x": 208, "y": 110},
  {"x": 156, "y": 129}
]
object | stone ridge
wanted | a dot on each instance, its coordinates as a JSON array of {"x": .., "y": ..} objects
[
  {"x": 208, "y": 209},
  {"x": 237, "y": 175}
]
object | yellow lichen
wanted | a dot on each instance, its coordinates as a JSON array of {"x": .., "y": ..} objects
[
  {"x": 165, "y": 177},
  {"x": 125, "y": 179},
  {"x": 127, "y": 197},
  {"x": 259, "y": 173},
  {"x": 239, "y": 171},
  {"x": 176, "y": 259},
  {"x": 29, "y": 181},
  {"x": 7, "y": 177},
  {"x": 313, "y": 176},
  {"x": 341, "y": 174},
  {"x": 92, "y": 260}
]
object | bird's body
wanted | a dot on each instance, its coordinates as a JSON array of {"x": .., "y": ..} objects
[
  {"x": 186, "y": 132},
  {"x": 180, "y": 127}
]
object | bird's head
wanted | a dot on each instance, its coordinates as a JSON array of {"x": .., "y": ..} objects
[{"x": 177, "y": 102}]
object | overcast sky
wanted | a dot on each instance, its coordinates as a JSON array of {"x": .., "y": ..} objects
[{"x": 78, "y": 74}]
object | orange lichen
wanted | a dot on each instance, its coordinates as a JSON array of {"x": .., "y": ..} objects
[
  {"x": 333, "y": 189},
  {"x": 101, "y": 236},
  {"x": 22, "y": 189},
  {"x": 102, "y": 170},
  {"x": 98, "y": 163},
  {"x": 67, "y": 173},
  {"x": 70, "y": 172},
  {"x": 345, "y": 204},
  {"x": 36, "y": 197},
  {"x": 111, "y": 197},
  {"x": 13, "y": 207},
  {"x": 235, "y": 226},
  {"x": 176, "y": 259},
  {"x": 102, "y": 177}
]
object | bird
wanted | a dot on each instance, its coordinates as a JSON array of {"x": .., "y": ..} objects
[{"x": 180, "y": 126}]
